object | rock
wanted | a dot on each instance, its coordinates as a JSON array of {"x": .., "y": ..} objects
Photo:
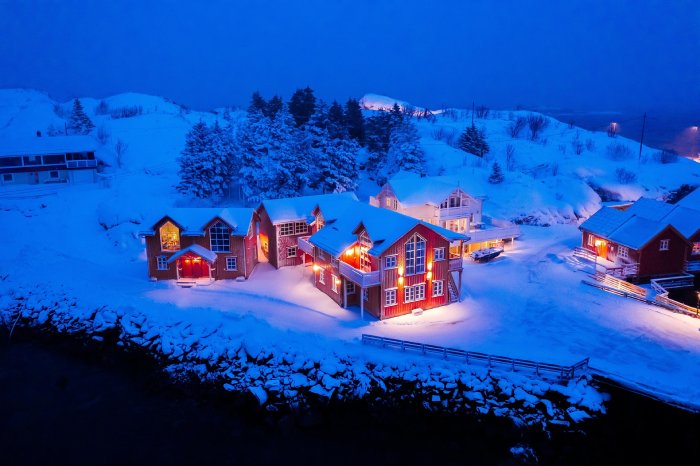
[
  {"x": 322, "y": 392},
  {"x": 259, "y": 393},
  {"x": 576, "y": 415},
  {"x": 298, "y": 380}
]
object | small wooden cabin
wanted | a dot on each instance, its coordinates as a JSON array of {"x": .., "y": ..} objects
[{"x": 202, "y": 243}]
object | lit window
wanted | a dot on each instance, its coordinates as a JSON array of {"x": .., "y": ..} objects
[
  {"x": 365, "y": 245},
  {"x": 414, "y": 293},
  {"x": 438, "y": 288},
  {"x": 232, "y": 263},
  {"x": 388, "y": 202},
  {"x": 291, "y": 252},
  {"x": 390, "y": 262},
  {"x": 415, "y": 255},
  {"x": 322, "y": 276},
  {"x": 162, "y": 262},
  {"x": 169, "y": 237},
  {"x": 220, "y": 237},
  {"x": 350, "y": 287},
  {"x": 663, "y": 245},
  {"x": 334, "y": 283},
  {"x": 319, "y": 222},
  {"x": 623, "y": 252},
  {"x": 390, "y": 297},
  {"x": 696, "y": 249},
  {"x": 439, "y": 254}
]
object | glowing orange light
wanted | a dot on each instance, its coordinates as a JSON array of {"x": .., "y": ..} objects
[
  {"x": 337, "y": 281},
  {"x": 349, "y": 252},
  {"x": 400, "y": 280},
  {"x": 430, "y": 266},
  {"x": 316, "y": 268},
  {"x": 400, "y": 271},
  {"x": 429, "y": 275},
  {"x": 599, "y": 242}
]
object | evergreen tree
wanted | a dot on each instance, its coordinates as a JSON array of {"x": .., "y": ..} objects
[
  {"x": 473, "y": 141},
  {"x": 336, "y": 122},
  {"x": 252, "y": 143},
  {"x": 302, "y": 105},
  {"x": 79, "y": 122},
  {"x": 257, "y": 103},
  {"x": 496, "y": 176},
  {"x": 222, "y": 154},
  {"x": 196, "y": 169},
  {"x": 288, "y": 150},
  {"x": 405, "y": 151},
  {"x": 273, "y": 106},
  {"x": 339, "y": 165},
  {"x": 355, "y": 121}
]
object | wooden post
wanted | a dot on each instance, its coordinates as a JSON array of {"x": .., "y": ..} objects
[
  {"x": 362, "y": 303},
  {"x": 344, "y": 283}
]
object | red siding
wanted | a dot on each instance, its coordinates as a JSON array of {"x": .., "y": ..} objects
[
  {"x": 656, "y": 262},
  {"x": 276, "y": 244}
]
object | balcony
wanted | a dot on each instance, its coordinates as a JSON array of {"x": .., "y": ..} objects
[
  {"x": 455, "y": 263},
  {"x": 452, "y": 213},
  {"x": 304, "y": 244},
  {"x": 491, "y": 234},
  {"x": 364, "y": 279},
  {"x": 81, "y": 163}
]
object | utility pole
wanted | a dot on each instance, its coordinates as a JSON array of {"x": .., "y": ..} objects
[
  {"x": 473, "y": 113},
  {"x": 641, "y": 140}
]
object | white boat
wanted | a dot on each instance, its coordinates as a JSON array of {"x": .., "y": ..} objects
[{"x": 486, "y": 254}]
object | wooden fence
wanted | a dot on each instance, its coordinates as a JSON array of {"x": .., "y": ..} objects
[
  {"x": 540, "y": 368},
  {"x": 620, "y": 285}
]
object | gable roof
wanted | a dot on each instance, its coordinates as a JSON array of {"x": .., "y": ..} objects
[
  {"x": 192, "y": 220},
  {"x": 650, "y": 208},
  {"x": 691, "y": 201},
  {"x": 685, "y": 220},
  {"x": 637, "y": 232},
  {"x": 300, "y": 208},
  {"x": 196, "y": 249},
  {"x": 47, "y": 145},
  {"x": 605, "y": 221},
  {"x": 412, "y": 189},
  {"x": 383, "y": 226}
]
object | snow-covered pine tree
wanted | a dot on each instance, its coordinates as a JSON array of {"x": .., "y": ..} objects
[
  {"x": 223, "y": 158},
  {"x": 336, "y": 122},
  {"x": 288, "y": 149},
  {"x": 273, "y": 106},
  {"x": 196, "y": 168},
  {"x": 257, "y": 102},
  {"x": 405, "y": 151},
  {"x": 302, "y": 105},
  {"x": 315, "y": 139},
  {"x": 473, "y": 141},
  {"x": 339, "y": 170},
  {"x": 355, "y": 121},
  {"x": 78, "y": 121},
  {"x": 252, "y": 143},
  {"x": 496, "y": 176}
]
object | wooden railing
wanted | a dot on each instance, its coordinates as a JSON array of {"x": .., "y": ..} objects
[
  {"x": 584, "y": 253},
  {"x": 677, "y": 281},
  {"x": 623, "y": 271},
  {"x": 488, "y": 234},
  {"x": 451, "y": 213},
  {"x": 540, "y": 368},
  {"x": 305, "y": 245},
  {"x": 455, "y": 263},
  {"x": 693, "y": 266},
  {"x": 674, "y": 305},
  {"x": 620, "y": 285},
  {"x": 363, "y": 279}
]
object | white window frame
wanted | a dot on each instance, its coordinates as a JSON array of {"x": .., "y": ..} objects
[
  {"x": 220, "y": 237},
  {"x": 160, "y": 237},
  {"x": 390, "y": 297},
  {"x": 350, "y": 287},
  {"x": 438, "y": 288},
  {"x": 590, "y": 239},
  {"x": 292, "y": 248},
  {"x": 438, "y": 254},
  {"x": 301, "y": 228},
  {"x": 414, "y": 293},
  {"x": 334, "y": 283},
  {"x": 664, "y": 244},
  {"x": 414, "y": 266},
  {"x": 623, "y": 252},
  {"x": 161, "y": 262},
  {"x": 235, "y": 263},
  {"x": 395, "y": 260}
]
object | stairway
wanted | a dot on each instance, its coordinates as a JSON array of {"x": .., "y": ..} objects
[{"x": 452, "y": 290}]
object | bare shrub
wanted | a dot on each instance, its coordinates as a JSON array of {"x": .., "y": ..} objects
[
  {"x": 450, "y": 113},
  {"x": 590, "y": 145},
  {"x": 617, "y": 151},
  {"x": 555, "y": 169},
  {"x": 577, "y": 145},
  {"x": 510, "y": 157},
  {"x": 571, "y": 124},
  {"x": 59, "y": 110},
  {"x": 102, "y": 108},
  {"x": 562, "y": 148},
  {"x": 126, "y": 112},
  {"x": 120, "y": 148},
  {"x": 516, "y": 126},
  {"x": 445, "y": 134},
  {"x": 53, "y": 131},
  {"x": 666, "y": 156},
  {"x": 482, "y": 111},
  {"x": 103, "y": 134},
  {"x": 536, "y": 123},
  {"x": 625, "y": 176}
]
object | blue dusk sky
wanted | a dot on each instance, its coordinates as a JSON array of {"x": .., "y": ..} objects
[{"x": 585, "y": 55}]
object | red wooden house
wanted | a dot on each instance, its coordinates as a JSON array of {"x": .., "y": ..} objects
[
  {"x": 386, "y": 263},
  {"x": 194, "y": 244},
  {"x": 283, "y": 221},
  {"x": 639, "y": 242}
]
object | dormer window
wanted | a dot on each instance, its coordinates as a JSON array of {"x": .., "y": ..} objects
[
  {"x": 220, "y": 237},
  {"x": 415, "y": 255},
  {"x": 169, "y": 237}
]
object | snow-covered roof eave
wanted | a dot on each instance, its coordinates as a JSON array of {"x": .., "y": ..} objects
[{"x": 196, "y": 249}]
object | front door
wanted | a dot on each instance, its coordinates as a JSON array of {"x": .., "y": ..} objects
[
  {"x": 602, "y": 248},
  {"x": 194, "y": 267}
]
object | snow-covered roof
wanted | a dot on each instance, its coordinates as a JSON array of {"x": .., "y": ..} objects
[
  {"x": 605, "y": 221},
  {"x": 299, "y": 208},
  {"x": 383, "y": 226},
  {"x": 691, "y": 201},
  {"x": 412, "y": 189},
  {"x": 636, "y": 232},
  {"x": 47, "y": 145},
  {"x": 196, "y": 249},
  {"x": 683, "y": 219},
  {"x": 192, "y": 220},
  {"x": 650, "y": 208}
]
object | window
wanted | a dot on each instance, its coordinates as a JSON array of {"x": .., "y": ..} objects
[
  {"x": 365, "y": 294},
  {"x": 438, "y": 287},
  {"x": 415, "y": 255},
  {"x": 301, "y": 228},
  {"x": 54, "y": 159},
  {"x": 291, "y": 252},
  {"x": 322, "y": 276},
  {"x": 169, "y": 237},
  {"x": 220, "y": 237},
  {"x": 10, "y": 162},
  {"x": 439, "y": 254},
  {"x": 623, "y": 252},
  {"x": 454, "y": 201},
  {"x": 232, "y": 263},
  {"x": 32, "y": 160},
  {"x": 365, "y": 245},
  {"x": 443, "y": 205},
  {"x": 335, "y": 262},
  {"x": 663, "y": 245},
  {"x": 390, "y": 297},
  {"x": 388, "y": 202},
  {"x": 334, "y": 283},
  {"x": 162, "y": 262},
  {"x": 7, "y": 177},
  {"x": 320, "y": 223},
  {"x": 350, "y": 287},
  {"x": 53, "y": 174},
  {"x": 696, "y": 249},
  {"x": 286, "y": 229},
  {"x": 590, "y": 240},
  {"x": 414, "y": 293},
  {"x": 293, "y": 228},
  {"x": 390, "y": 262}
]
